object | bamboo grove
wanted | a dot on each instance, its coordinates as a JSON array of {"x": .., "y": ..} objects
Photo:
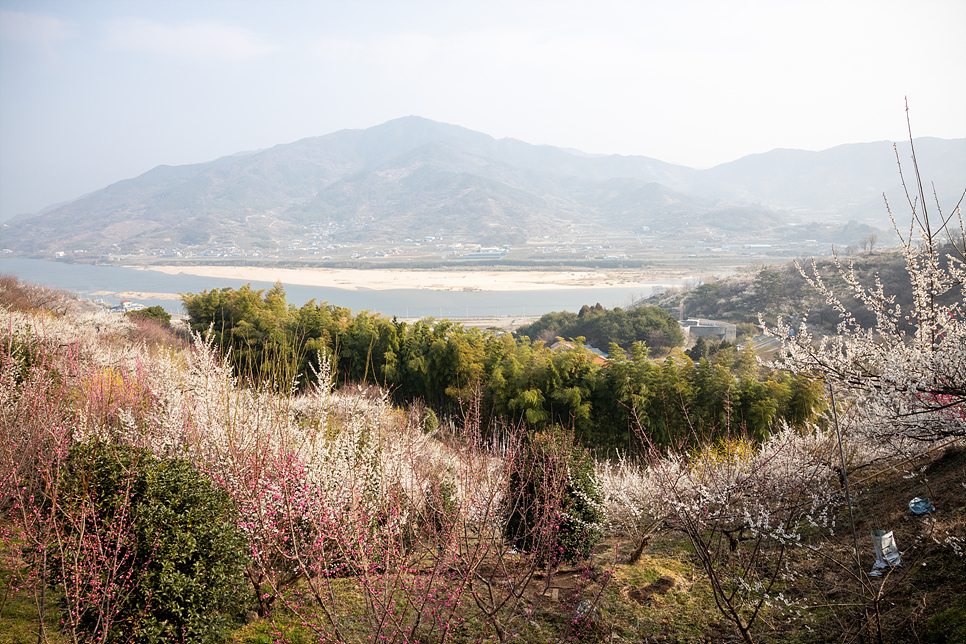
[{"x": 447, "y": 365}]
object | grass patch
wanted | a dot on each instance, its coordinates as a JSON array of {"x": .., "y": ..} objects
[
  {"x": 949, "y": 626},
  {"x": 19, "y": 617}
]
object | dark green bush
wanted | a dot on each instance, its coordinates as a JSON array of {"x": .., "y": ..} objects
[
  {"x": 599, "y": 327},
  {"x": 554, "y": 506},
  {"x": 156, "y": 313},
  {"x": 184, "y": 557},
  {"x": 949, "y": 625},
  {"x": 430, "y": 421}
]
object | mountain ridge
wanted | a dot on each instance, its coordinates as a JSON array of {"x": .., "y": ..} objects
[{"x": 412, "y": 176}]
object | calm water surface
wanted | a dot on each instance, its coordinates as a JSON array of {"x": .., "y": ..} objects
[{"x": 85, "y": 279}]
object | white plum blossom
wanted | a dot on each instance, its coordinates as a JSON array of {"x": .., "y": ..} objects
[{"x": 906, "y": 375}]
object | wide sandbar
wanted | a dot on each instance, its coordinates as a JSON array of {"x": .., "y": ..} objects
[{"x": 383, "y": 279}]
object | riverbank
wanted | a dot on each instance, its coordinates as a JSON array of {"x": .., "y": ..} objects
[
  {"x": 407, "y": 293},
  {"x": 433, "y": 280}
]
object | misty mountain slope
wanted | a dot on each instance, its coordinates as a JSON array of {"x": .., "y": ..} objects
[
  {"x": 412, "y": 176},
  {"x": 418, "y": 199},
  {"x": 383, "y": 142},
  {"x": 637, "y": 203},
  {"x": 435, "y": 178},
  {"x": 841, "y": 177}
]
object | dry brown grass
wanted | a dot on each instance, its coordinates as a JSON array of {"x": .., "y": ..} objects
[
  {"x": 154, "y": 334},
  {"x": 16, "y": 295},
  {"x": 932, "y": 576}
]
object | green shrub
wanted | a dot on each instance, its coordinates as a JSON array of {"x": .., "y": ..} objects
[
  {"x": 183, "y": 556},
  {"x": 554, "y": 506},
  {"x": 583, "y": 526},
  {"x": 430, "y": 421},
  {"x": 948, "y": 625},
  {"x": 745, "y": 330},
  {"x": 156, "y": 313}
]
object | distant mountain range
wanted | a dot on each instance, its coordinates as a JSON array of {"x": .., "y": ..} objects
[{"x": 413, "y": 177}]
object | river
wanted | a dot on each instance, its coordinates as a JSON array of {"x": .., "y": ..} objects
[{"x": 86, "y": 279}]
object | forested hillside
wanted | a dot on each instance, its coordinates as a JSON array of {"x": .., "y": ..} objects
[
  {"x": 783, "y": 291},
  {"x": 600, "y": 327}
]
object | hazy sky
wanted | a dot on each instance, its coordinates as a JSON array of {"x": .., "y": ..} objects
[{"x": 94, "y": 92}]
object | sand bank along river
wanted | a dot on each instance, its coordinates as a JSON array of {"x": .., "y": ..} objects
[
  {"x": 382, "y": 279},
  {"x": 403, "y": 293}
]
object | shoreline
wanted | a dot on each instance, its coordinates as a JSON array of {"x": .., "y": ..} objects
[{"x": 433, "y": 280}]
